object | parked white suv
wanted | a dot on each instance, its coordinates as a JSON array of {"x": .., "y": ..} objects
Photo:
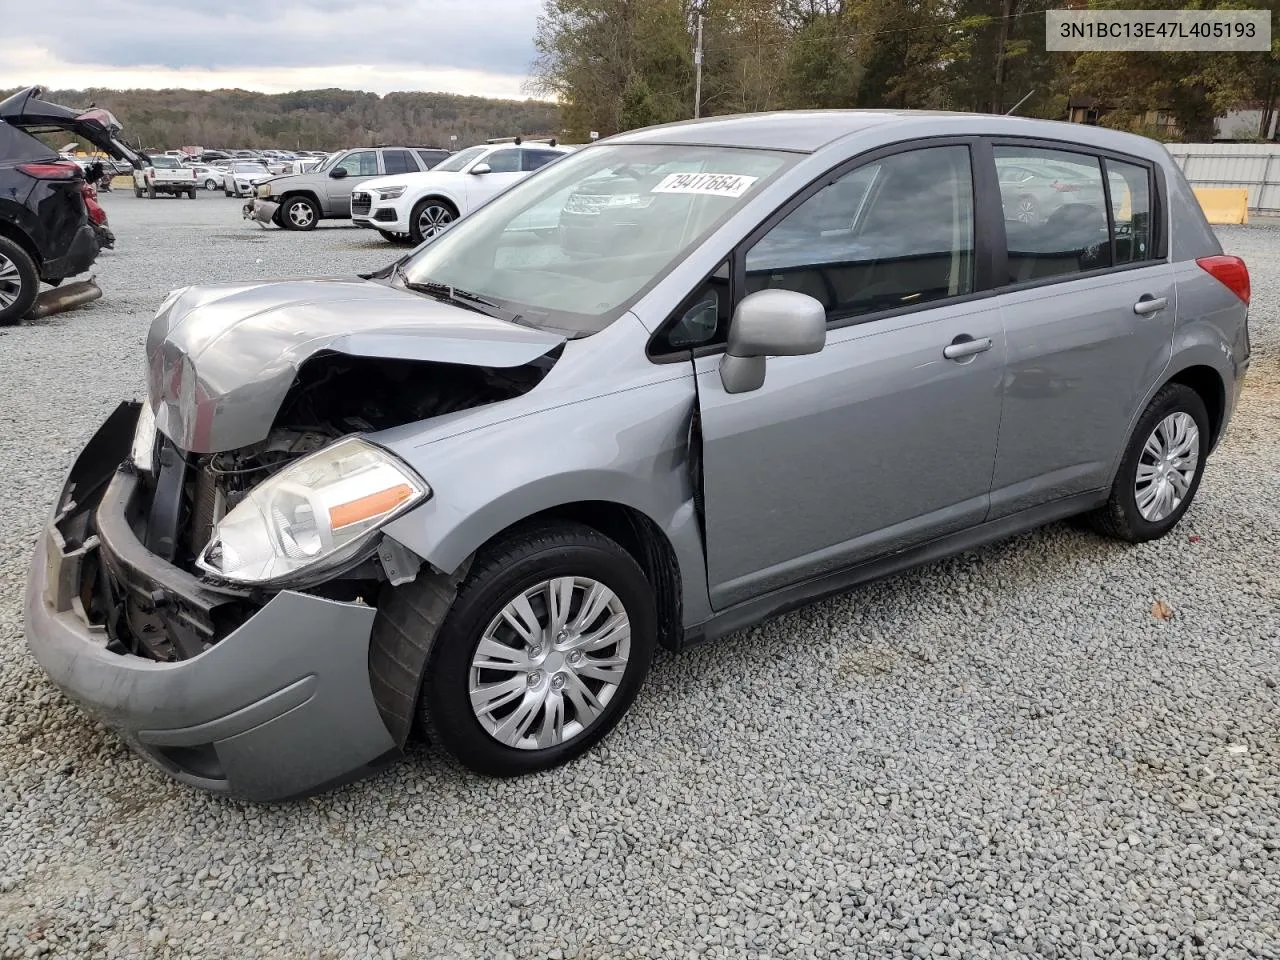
[{"x": 415, "y": 206}]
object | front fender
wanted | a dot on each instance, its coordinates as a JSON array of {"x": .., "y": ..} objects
[{"x": 628, "y": 448}]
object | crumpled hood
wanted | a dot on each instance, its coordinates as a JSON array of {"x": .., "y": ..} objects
[{"x": 221, "y": 357}]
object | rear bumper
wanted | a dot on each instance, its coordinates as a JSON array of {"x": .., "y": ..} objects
[
  {"x": 279, "y": 707},
  {"x": 80, "y": 255}
]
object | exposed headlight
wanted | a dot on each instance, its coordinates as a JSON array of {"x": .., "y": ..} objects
[
  {"x": 317, "y": 513},
  {"x": 389, "y": 193},
  {"x": 144, "y": 439},
  {"x": 264, "y": 190}
]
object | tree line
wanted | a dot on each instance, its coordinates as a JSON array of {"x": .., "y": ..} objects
[
  {"x": 618, "y": 64},
  {"x": 311, "y": 119}
]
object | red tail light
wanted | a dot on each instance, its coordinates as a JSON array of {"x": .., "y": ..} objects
[
  {"x": 52, "y": 170},
  {"x": 1065, "y": 187},
  {"x": 1230, "y": 272}
]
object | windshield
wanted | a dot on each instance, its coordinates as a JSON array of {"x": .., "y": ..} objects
[
  {"x": 573, "y": 246},
  {"x": 458, "y": 160},
  {"x": 249, "y": 168},
  {"x": 165, "y": 163}
]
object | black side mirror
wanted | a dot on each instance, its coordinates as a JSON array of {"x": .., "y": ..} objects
[{"x": 338, "y": 173}]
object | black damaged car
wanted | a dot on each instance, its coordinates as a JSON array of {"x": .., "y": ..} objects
[{"x": 45, "y": 232}]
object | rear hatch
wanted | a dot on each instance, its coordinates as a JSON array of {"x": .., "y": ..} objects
[{"x": 28, "y": 112}]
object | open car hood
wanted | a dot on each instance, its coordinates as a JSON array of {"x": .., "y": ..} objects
[
  {"x": 26, "y": 111},
  {"x": 222, "y": 357}
]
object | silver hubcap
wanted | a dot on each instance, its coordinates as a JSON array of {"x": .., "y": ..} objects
[
  {"x": 301, "y": 214},
  {"x": 1027, "y": 211},
  {"x": 433, "y": 219},
  {"x": 1167, "y": 466},
  {"x": 550, "y": 662},
  {"x": 10, "y": 282}
]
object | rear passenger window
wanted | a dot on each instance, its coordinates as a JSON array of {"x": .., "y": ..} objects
[
  {"x": 398, "y": 161},
  {"x": 1130, "y": 187},
  {"x": 893, "y": 233},
  {"x": 1055, "y": 212},
  {"x": 430, "y": 158},
  {"x": 536, "y": 159}
]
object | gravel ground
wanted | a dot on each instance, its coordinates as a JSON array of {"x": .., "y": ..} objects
[{"x": 1005, "y": 753}]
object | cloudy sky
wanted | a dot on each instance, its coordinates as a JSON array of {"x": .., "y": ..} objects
[{"x": 481, "y": 47}]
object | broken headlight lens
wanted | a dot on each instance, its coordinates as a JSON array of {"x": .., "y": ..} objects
[{"x": 317, "y": 513}]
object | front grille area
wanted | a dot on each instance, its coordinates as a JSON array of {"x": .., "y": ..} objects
[
  {"x": 385, "y": 215},
  {"x": 360, "y": 203}
]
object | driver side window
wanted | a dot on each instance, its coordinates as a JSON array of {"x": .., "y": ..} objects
[
  {"x": 363, "y": 163},
  {"x": 503, "y": 161}
]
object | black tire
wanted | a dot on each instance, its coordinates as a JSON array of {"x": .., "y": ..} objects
[
  {"x": 416, "y": 235},
  {"x": 211, "y": 185},
  {"x": 399, "y": 239},
  {"x": 137, "y": 191},
  {"x": 26, "y": 286},
  {"x": 500, "y": 572},
  {"x": 191, "y": 194},
  {"x": 151, "y": 192},
  {"x": 299, "y": 213},
  {"x": 226, "y": 192},
  {"x": 1120, "y": 517}
]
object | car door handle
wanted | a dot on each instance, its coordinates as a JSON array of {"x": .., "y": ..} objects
[
  {"x": 1148, "y": 305},
  {"x": 965, "y": 346}
]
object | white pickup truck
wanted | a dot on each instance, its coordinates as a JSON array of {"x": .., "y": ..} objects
[{"x": 164, "y": 174}]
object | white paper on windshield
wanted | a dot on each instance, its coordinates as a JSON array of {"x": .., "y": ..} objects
[{"x": 710, "y": 184}]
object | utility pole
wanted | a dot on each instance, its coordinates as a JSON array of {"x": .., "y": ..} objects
[{"x": 697, "y": 72}]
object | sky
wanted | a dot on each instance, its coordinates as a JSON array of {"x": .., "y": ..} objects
[{"x": 478, "y": 47}]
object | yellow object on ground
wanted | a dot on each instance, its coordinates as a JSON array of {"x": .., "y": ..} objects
[{"x": 1224, "y": 204}]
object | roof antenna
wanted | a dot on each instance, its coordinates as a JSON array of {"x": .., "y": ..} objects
[{"x": 1020, "y": 102}]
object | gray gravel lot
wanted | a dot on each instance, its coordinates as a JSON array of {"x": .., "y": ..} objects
[{"x": 1001, "y": 754}]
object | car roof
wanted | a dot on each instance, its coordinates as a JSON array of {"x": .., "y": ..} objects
[{"x": 808, "y": 131}]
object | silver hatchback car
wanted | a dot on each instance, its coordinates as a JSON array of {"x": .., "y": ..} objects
[{"x": 760, "y": 360}]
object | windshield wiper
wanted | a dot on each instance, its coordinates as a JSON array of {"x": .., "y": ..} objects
[{"x": 450, "y": 294}]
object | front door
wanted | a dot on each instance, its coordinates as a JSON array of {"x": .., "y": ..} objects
[
  {"x": 1089, "y": 319},
  {"x": 504, "y": 170},
  {"x": 885, "y": 438},
  {"x": 360, "y": 165}
]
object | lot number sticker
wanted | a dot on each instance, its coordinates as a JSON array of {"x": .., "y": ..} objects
[{"x": 711, "y": 184}]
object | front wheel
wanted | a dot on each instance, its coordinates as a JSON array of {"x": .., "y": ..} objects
[
  {"x": 430, "y": 216},
  {"x": 1161, "y": 469},
  {"x": 137, "y": 191},
  {"x": 299, "y": 213},
  {"x": 399, "y": 239},
  {"x": 151, "y": 192},
  {"x": 19, "y": 282},
  {"x": 542, "y": 651}
]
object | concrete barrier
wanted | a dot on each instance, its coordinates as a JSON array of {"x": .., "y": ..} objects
[{"x": 1224, "y": 204}]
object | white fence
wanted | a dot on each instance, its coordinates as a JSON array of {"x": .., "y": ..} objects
[{"x": 1254, "y": 166}]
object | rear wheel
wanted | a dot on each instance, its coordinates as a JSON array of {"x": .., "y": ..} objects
[
  {"x": 299, "y": 213},
  {"x": 1161, "y": 469},
  {"x": 542, "y": 651},
  {"x": 211, "y": 184},
  {"x": 19, "y": 282},
  {"x": 429, "y": 217},
  {"x": 191, "y": 194}
]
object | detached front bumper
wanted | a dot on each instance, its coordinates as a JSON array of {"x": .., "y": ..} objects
[
  {"x": 279, "y": 707},
  {"x": 260, "y": 209}
]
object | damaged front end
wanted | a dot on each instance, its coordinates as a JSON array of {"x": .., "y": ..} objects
[{"x": 213, "y": 600}]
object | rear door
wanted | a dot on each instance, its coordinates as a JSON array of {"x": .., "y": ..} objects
[
  {"x": 886, "y": 438},
  {"x": 1088, "y": 310}
]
